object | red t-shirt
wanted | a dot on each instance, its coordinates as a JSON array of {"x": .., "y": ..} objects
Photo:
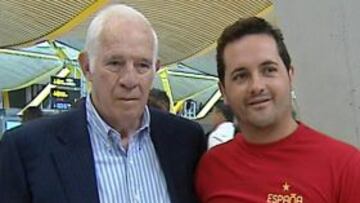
[{"x": 305, "y": 167}]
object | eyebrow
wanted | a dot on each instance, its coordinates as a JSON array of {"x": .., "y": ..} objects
[
  {"x": 146, "y": 60},
  {"x": 268, "y": 62},
  {"x": 114, "y": 57},
  {"x": 118, "y": 57},
  {"x": 239, "y": 69}
]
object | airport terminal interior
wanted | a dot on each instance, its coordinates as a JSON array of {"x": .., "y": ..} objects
[{"x": 40, "y": 42}]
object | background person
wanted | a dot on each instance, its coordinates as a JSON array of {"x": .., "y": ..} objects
[
  {"x": 31, "y": 113},
  {"x": 222, "y": 120},
  {"x": 158, "y": 99}
]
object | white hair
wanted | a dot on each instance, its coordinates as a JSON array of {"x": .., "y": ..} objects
[{"x": 97, "y": 25}]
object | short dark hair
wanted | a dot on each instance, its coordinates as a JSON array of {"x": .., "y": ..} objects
[
  {"x": 225, "y": 110},
  {"x": 249, "y": 26},
  {"x": 31, "y": 113},
  {"x": 158, "y": 99}
]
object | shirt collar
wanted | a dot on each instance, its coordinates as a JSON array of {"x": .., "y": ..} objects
[{"x": 93, "y": 118}]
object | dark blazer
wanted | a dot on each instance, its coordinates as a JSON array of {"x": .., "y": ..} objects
[{"x": 50, "y": 160}]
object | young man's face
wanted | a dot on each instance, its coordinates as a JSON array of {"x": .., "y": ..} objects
[{"x": 256, "y": 83}]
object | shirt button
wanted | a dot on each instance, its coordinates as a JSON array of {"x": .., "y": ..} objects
[{"x": 136, "y": 197}]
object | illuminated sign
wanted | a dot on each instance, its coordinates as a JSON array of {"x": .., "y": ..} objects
[
  {"x": 65, "y": 92},
  {"x": 63, "y": 98},
  {"x": 65, "y": 82},
  {"x": 59, "y": 93},
  {"x": 61, "y": 105},
  {"x": 62, "y": 93}
]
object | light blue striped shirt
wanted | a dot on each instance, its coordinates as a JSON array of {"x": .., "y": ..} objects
[{"x": 125, "y": 176}]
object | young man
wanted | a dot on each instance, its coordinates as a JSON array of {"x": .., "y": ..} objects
[
  {"x": 112, "y": 148},
  {"x": 275, "y": 159}
]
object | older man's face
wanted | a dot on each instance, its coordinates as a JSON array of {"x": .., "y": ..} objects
[{"x": 124, "y": 69}]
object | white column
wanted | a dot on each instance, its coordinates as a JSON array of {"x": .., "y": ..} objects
[{"x": 323, "y": 38}]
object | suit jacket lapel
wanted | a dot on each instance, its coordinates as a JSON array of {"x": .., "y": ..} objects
[
  {"x": 161, "y": 137},
  {"x": 74, "y": 159}
]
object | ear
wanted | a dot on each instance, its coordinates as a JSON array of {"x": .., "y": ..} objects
[
  {"x": 157, "y": 65},
  {"x": 222, "y": 90},
  {"x": 291, "y": 73},
  {"x": 85, "y": 65}
]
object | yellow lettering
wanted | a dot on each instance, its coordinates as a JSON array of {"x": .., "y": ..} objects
[
  {"x": 278, "y": 198},
  {"x": 271, "y": 198},
  {"x": 62, "y": 94},
  {"x": 286, "y": 199},
  {"x": 58, "y": 81}
]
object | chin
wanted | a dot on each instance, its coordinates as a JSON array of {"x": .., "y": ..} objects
[
  {"x": 132, "y": 111},
  {"x": 262, "y": 122}
]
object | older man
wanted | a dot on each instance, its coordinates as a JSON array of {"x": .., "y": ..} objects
[{"x": 112, "y": 148}]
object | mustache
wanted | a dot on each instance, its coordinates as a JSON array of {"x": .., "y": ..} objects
[{"x": 259, "y": 98}]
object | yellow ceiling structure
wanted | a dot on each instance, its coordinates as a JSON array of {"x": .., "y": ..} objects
[
  {"x": 184, "y": 27},
  {"x": 24, "y": 22},
  {"x": 187, "y": 32}
]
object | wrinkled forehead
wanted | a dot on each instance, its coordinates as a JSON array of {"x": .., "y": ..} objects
[
  {"x": 126, "y": 27},
  {"x": 128, "y": 30}
]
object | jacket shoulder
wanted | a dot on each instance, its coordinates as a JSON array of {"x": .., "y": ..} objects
[
  {"x": 43, "y": 126},
  {"x": 168, "y": 120}
]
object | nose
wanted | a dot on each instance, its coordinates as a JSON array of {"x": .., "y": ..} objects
[
  {"x": 257, "y": 85},
  {"x": 129, "y": 77}
]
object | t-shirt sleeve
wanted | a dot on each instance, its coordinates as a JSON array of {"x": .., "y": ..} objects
[
  {"x": 349, "y": 190},
  {"x": 200, "y": 180}
]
